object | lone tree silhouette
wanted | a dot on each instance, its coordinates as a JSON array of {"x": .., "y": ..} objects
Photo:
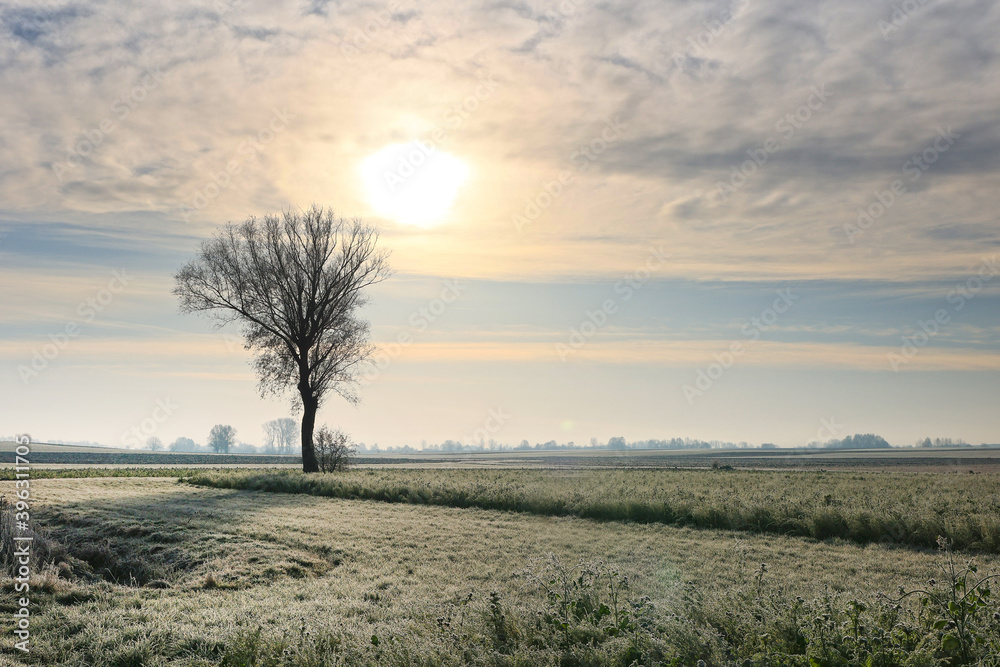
[{"x": 294, "y": 283}]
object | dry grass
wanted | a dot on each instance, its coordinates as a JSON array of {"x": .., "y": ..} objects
[
  {"x": 903, "y": 508},
  {"x": 256, "y": 578}
]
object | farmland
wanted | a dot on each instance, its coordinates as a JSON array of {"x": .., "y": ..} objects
[
  {"x": 75, "y": 455},
  {"x": 147, "y": 571},
  {"x": 965, "y": 459}
]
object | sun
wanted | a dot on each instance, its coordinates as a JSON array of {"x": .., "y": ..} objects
[{"x": 413, "y": 183}]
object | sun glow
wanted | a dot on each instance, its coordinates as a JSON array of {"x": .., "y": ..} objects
[{"x": 413, "y": 183}]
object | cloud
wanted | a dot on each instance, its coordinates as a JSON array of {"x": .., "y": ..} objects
[
  {"x": 366, "y": 75},
  {"x": 752, "y": 136}
]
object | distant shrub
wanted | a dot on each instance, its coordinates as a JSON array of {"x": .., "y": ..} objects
[{"x": 334, "y": 449}]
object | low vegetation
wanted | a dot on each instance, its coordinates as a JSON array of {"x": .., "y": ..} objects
[
  {"x": 590, "y": 614},
  {"x": 334, "y": 449},
  {"x": 8, "y": 474},
  {"x": 146, "y": 572},
  {"x": 908, "y": 509},
  {"x": 150, "y": 572}
]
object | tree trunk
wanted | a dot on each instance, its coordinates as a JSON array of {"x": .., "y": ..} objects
[{"x": 309, "y": 406}]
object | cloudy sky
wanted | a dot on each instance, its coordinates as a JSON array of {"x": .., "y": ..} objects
[{"x": 749, "y": 220}]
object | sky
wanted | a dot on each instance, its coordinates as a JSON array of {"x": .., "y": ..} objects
[{"x": 744, "y": 221}]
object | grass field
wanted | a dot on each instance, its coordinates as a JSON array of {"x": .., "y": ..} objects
[
  {"x": 146, "y": 571},
  {"x": 910, "y": 509}
]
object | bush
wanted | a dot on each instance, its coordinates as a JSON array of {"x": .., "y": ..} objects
[{"x": 334, "y": 449}]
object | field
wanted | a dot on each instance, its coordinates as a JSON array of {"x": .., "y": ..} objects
[
  {"x": 510, "y": 567},
  {"x": 8, "y": 446},
  {"x": 863, "y": 507},
  {"x": 964, "y": 459},
  {"x": 75, "y": 455}
]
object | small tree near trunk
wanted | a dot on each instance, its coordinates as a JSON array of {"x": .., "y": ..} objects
[{"x": 334, "y": 449}]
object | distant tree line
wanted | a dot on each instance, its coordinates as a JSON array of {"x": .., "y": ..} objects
[
  {"x": 857, "y": 441},
  {"x": 616, "y": 443},
  {"x": 942, "y": 442},
  {"x": 281, "y": 436}
]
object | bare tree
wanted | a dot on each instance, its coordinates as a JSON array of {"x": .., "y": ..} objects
[
  {"x": 294, "y": 283},
  {"x": 334, "y": 449},
  {"x": 280, "y": 435},
  {"x": 154, "y": 444},
  {"x": 221, "y": 438},
  {"x": 271, "y": 437},
  {"x": 288, "y": 434}
]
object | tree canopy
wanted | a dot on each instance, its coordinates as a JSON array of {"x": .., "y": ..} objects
[{"x": 294, "y": 283}]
